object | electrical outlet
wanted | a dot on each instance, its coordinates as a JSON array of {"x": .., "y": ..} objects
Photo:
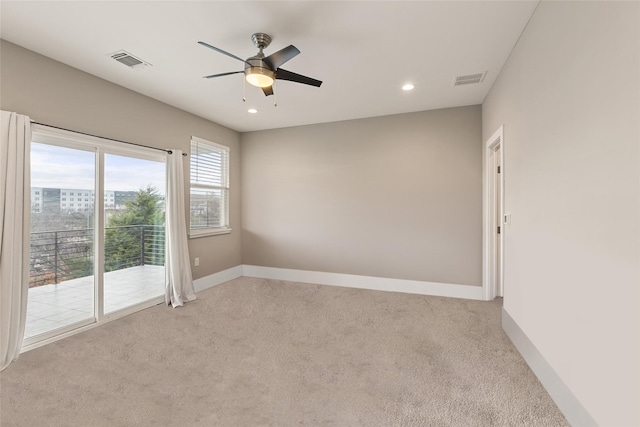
[{"x": 196, "y": 262}]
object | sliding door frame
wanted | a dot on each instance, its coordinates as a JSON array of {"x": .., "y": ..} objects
[{"x": 99, "y": 146}]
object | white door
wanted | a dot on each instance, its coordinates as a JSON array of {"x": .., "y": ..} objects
[
  {"x": 493, "y": 229},
  {"x": 498, "y": 221}
]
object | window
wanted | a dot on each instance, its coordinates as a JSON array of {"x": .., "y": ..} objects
[{"x": 209, "y": 176}]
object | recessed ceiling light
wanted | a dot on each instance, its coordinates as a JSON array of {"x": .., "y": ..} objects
[
  {"x": 408, "y": 86},
  {"x": 252, "y": 110}
]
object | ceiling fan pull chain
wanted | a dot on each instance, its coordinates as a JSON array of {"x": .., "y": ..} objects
[
  {"x": 244, "y": 90},
  {"x": 275, "y": 94}
]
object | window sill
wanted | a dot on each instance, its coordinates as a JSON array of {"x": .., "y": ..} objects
[{"x": 194, "y": 234}]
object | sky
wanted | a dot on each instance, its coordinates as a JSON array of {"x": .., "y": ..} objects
[{"x": 59, "y": 167}]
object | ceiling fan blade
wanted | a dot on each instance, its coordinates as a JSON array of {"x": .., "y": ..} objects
[
  {"x": 280, "y": 57},
  {"x": 268, "y": 90},
  {"x": 298, "y": 78},
  {"x": 221, "y": 51},
  {"x": 222, "y": 74}
]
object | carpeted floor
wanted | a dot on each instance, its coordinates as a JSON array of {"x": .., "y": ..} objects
[{"x": 255, "y": 352}]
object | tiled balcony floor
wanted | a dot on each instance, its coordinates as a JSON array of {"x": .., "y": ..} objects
[{"x": 54, "y": 306}]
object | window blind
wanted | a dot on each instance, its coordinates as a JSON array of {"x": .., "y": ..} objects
[{"x": 209, "y": 177}]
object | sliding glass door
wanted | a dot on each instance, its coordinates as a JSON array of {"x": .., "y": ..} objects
[
  {"x": 134, "y": 231},
  {"x": 97, "y": 231},
  {"x": 61, "y": 277}
]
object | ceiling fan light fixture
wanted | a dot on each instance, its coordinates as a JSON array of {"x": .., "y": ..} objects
[
  {"x": 259, "y": 77},
  {"x": 408, "y": 86}
]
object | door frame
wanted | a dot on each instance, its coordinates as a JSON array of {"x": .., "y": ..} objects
[{"x": 491, "y": 198}]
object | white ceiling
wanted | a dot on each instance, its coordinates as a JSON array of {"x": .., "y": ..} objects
[{"x": 362, "y": 51}]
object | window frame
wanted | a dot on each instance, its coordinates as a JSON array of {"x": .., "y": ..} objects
[{"x": 225, "y": 228}]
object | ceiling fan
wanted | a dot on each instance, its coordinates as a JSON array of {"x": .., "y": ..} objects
[{"x": 261, "y": 71}]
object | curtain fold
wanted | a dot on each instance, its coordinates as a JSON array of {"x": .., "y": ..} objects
[
  {"x": 179, "y": 284},
  {"x": 15, "y": 210}
]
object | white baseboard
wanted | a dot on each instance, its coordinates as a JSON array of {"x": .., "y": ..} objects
[
  {"x": 567, "y": 402},
  {"x": 365, "y": 282},
  {"x": 217, "y": 278}
]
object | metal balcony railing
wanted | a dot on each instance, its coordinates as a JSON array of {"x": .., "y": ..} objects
[{"x": 62, "y": 255}]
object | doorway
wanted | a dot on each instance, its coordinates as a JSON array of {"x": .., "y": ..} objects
[{"x": 493, "y": 233}]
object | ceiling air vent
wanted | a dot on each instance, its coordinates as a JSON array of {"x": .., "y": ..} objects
[
  {"x": 124, "y": 57},
  {"x": 469, "y": 79}
]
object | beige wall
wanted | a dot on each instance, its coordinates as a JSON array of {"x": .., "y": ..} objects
[
  {"x": 58, "y": 95},
  {"x": 569, "y": 100},
  {"x": 395, "y": 196}
]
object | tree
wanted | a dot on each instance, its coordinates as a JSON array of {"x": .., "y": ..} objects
[
  {"x": 133, "y": 235},
  {"x": 145, "y": 209}
]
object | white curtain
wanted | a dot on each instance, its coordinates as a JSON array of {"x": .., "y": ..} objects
[
  {"x": 179, "y": 285},
  {"x": 15, "y": 209}
]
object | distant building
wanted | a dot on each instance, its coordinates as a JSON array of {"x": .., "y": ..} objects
[
  {"x": 51, "y": 199},
  {"x": 121, "y": 197},
  {"x": 75, "y": 199}
]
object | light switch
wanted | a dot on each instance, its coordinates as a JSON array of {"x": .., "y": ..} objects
[{"x": 507, "y": 218}]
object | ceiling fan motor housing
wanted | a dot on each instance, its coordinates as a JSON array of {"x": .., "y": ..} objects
[{"x": 255, "y": 68}]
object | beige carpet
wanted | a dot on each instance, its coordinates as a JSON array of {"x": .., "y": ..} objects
[{"x": 254, "y": 352}]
